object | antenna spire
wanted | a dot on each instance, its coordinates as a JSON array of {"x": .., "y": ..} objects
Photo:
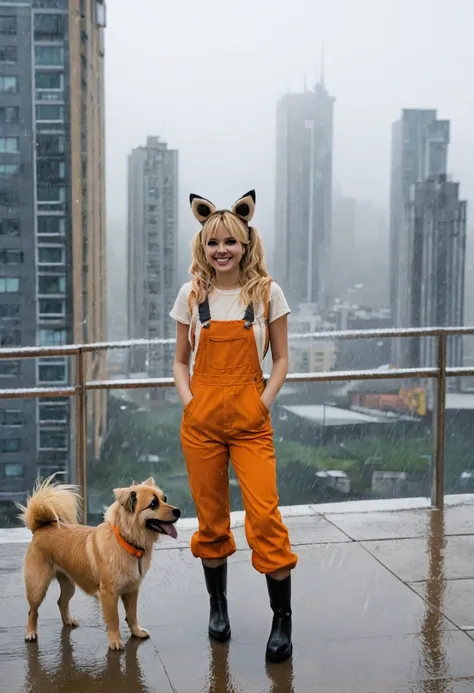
[{"x": 322, "y": 65}]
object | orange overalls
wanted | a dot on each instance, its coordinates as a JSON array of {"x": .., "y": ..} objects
[{"x": 226, "y": 418}]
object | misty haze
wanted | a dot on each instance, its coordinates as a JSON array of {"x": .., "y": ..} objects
[{"x": 341, "y": 131}]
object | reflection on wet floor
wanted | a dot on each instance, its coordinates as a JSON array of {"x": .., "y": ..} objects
[
  {"x": 61, "y": 671},
  {"x": 378, "y": 607}
]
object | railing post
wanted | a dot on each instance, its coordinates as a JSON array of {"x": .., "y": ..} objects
[
  {"x": 439, "y": 427},
  {"x": 81, "y": 431}
]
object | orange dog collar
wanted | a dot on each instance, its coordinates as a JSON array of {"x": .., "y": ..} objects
[{"x": 130, "y": 548}]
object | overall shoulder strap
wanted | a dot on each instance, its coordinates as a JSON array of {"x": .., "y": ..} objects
[
  {"x": 205, "y": 312},
  {"x": 266, "y": 314},
  {"x": 249, "y": 316}
]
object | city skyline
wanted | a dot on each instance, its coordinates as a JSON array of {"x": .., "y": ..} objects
[{"x": 227, "y": 142}]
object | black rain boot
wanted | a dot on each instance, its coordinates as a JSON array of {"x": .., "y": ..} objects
[
  {"x": 216, "y": 583},
  {"x": 279, "y": 645}
]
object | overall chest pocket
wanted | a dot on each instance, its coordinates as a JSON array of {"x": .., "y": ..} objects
[{"x": 225, "y": 353}]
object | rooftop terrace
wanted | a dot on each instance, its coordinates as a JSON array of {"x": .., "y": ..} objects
[{"x": 383, "y": 603}]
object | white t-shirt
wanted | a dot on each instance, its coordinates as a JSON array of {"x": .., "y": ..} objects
[{"x": 226, "y": 305}]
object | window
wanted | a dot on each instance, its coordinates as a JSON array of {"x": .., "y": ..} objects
[
  {"x": 51, "y": 308},
  {"x": 49, "y": 80},
  {"x": 52, "y": 373},
  {"x": 51, "y": 255},
  {"x": 9, "y": 285},
  {"x": 45, "y": 192},
  {"x": 49, "y": 55},
  {"x": 50, "y": 114},
  {"x": 10, "y": 444},
  {"x": 10, "y": 338},
  {"x": 49, "y": 226},
  {"x": 50, "y": 170},
  {"x": 13, "y": 470},
  {"x": 51, "y": 284},
  {"x": 9, "y": 310},
  {"x": 11, "y": 417},
  {"x": 54, "y": 4},
  {"x": 49, "y": 27},
  {"x": 100, "y": 13},
  {"x": 53, "y": 412},
  {"x": 9, "y": 170},
  {"x": 8, "y": 25},
  {"x": 8, "y": 85},
  {"x": 8, "y": 54},
  {"x": 53, "y": 439},
  {"x": 10, "y": 145},
  {"x": 9, "y": 198},
  {"x": 9, "y": 115},
  {"x": 11, "y": 257},
  {"x": 9, "y": 368},
  {"x": 9, "y": 227},
  {"x": 52, "y": 337},
  {"x": 49, "y": 145}
]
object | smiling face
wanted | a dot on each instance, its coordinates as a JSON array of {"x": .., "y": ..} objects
[
  {"x": 143, "y": 509},
  {"x": 223, "y": 251}
]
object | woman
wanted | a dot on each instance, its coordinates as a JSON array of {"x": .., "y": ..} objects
[{"x": 227, "y": 316}]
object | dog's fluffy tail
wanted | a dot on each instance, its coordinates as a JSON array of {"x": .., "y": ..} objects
[{"x": 50, "y": 502}]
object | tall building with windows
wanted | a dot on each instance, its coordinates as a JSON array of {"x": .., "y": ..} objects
[
  {"x": 152, "y": 253},
  {"x": 427, "y": 237},
  {"x": 419, "y": 150},
  {"x": 303, "y": 210},
  {"x": 436, "y": 256},
  {"x": 52, "y": 224}
]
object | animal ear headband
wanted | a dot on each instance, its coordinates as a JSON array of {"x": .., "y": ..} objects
[{"x": 243, "y": 208}]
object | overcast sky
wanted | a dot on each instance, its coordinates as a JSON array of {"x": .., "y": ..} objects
[{"x": 205, "y": 76}]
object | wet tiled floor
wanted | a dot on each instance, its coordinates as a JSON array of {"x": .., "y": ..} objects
[{"x": 383, "y": 602}]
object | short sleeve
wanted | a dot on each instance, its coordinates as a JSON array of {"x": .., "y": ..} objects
[
  {"x": 180, "y": 310},
  {"x": 278, "y": 303}
]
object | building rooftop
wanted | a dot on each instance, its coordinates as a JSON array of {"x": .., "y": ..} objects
[
  {"x": 382, "y": 604},
  {"x": 330, "y": 415}
]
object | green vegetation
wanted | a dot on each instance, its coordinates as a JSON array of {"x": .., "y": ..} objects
[{"x": 141, "y": 442}]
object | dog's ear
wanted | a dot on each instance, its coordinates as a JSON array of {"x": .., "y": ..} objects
[
  {"x": 149, "y": 482},
  {"x": 201, "y": 208},
  {"x": 245, "y": 206},
  {"x": 127, "y": 498}
]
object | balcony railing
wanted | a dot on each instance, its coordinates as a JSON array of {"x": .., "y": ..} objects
[{"x": 81, "y": 386}]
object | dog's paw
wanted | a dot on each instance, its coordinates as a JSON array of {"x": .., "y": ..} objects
[
  {"x": 32, "y": 636},
  {"x": 140, "y": 632},
  {"x": 116, "y": 643},
  {"x": 71, "y": 622}
]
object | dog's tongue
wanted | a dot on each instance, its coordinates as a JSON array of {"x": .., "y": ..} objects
[{"x": 170, "y": 530}]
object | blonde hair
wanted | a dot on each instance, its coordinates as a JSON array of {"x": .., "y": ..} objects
[{"x": 254, "y": 278}]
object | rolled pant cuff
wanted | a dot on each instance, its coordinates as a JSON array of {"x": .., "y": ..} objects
[
  {"x": 209, "y": 551},
  {"x": 265, "y": 567}
]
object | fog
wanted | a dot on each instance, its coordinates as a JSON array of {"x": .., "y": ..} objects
[{"x": 206, "y": 77}]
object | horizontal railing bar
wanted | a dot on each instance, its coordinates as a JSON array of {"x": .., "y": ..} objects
[
  {"x": 38, "y": 352},
  {"x": 25, "y": 392},
  {"x": 72, "y": 349},
  {"x": 325, "y": 376},
  {"x": 460, "y": 370},
  {"x": 320, "y": 376},
  {"x": 390, "y": 373},
  {"x": 129, "y": 384}
]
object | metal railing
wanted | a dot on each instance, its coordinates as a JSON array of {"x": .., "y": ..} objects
[{"x": 79, "y": 390}]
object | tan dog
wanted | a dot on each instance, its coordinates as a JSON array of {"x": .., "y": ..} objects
[{"x": 110, "y": 560}]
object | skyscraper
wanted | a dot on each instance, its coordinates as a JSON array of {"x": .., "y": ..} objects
[
  {"x": 304, "y": 195},
  {"x": 152, "y": 252},
  {"x": 436, "y": 247},
  {"x": 419, "y": 150},
  {"x": 427, "y": 236},
  {"x": 52, "y": 223}
]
